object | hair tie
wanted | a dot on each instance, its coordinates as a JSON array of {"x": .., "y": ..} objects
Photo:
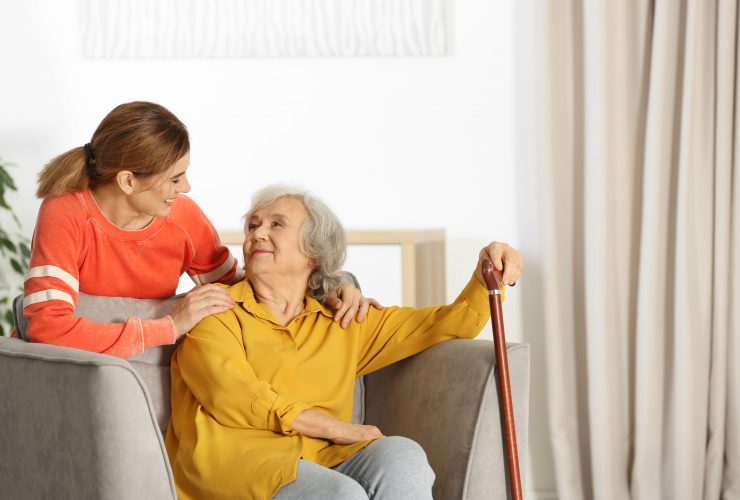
[
  {"x": 89, "y": 152},
  {"x": 90, "y": 161}
]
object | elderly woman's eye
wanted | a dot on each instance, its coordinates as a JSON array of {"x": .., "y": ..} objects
[
  {"x": 276, "y": 224},
  {"x": 251, "y": 227}
]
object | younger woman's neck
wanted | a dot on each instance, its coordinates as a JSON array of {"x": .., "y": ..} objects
[{"x": 114, "y": 205}]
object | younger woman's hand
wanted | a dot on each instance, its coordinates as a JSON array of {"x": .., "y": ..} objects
[
  {"x": 348, "y": 304},
  {"x": 198, "y": 303}
]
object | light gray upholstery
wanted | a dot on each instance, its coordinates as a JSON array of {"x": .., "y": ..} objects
[
  {"x": 74, "y": 424},
  {"x": 445, "y": 398},
  {"x": 82, "y": 425}
]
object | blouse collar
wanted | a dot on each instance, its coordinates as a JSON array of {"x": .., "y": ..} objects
[{"x": 243, "y": 293}]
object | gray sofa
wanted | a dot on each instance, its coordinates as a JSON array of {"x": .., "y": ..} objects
[{"x": 81, "y": 425}]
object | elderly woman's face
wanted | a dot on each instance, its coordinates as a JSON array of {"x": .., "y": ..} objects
[{"x": 272, "y": 243}]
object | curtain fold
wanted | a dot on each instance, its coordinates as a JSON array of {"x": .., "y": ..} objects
[
  {"x": 641, "y": 223},
  {"x": 725, "y": 109}
]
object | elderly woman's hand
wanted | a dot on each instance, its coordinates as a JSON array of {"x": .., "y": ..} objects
[
  {"x": 507, "y": 263},
  {"x": 349, "y": 304},
  {"x": 313, "y": 423},
  {"x": 355, "y": 433}
]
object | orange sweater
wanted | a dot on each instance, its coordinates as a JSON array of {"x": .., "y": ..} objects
[{"x": 75, "y": 248}]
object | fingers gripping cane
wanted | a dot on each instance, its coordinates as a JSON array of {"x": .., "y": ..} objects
[{"x": 502, "y": 362}]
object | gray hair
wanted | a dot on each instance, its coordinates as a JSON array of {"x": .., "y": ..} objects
[{"x": 322, "y": 237}]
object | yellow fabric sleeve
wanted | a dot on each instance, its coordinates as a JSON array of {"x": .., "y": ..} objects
[
  {"x": 394, "y": 333},
  {"x": 212, "y": 364}
]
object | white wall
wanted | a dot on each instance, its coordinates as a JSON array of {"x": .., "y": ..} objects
[{"x": 388, "y": 142}]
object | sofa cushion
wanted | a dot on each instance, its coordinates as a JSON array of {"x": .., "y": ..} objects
[{"x": 153, "y": 365}]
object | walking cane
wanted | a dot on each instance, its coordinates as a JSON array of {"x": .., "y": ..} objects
[{"x": 502, "y": 362}]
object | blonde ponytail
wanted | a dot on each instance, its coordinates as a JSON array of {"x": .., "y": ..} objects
[{"x": 64, "y": 174}]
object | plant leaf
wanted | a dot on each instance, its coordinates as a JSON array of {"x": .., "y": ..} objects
[
  {"x": 25, "y": 250},
  {"x": 5, "y": 242},
  {"x": 14, "y": 248},
  {"x": 17, "y": 266},
  {"x": 6, "y": 179}
]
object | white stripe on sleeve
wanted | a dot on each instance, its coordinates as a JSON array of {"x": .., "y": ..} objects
[
  {"x": 53, "y": 272},
  {"x": 210, "y": 277},
  {"x": 45, "y": 295},
  {"x": 238, "y": 276}
]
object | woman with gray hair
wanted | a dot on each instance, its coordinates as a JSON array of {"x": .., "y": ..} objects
[
  {"x": 322, "y": 236},
  {"x": 262, "y": 394}
]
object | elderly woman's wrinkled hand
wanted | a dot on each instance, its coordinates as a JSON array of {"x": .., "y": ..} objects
[
  {"x": 507, "y": 263},
  {"x": 316, "y": 424},
  {"x": 355, "y": 433},
  {"x": 348, "y": 304}
]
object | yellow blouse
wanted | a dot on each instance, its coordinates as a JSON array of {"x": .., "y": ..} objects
[{"x": 240, "y": 378}]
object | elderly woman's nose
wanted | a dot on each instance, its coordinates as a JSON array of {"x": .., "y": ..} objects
[{"x": 259, "y": 232}]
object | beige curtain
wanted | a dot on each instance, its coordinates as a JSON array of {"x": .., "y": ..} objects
[{"x": 642, "y": 248}]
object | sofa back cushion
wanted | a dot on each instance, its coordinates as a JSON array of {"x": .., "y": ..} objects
[{"x": 153, "y": 365}]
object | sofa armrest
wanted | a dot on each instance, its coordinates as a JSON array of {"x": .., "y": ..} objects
[
  {"x": 75, "y": 424},
  {"x": 446, "y": 399}
]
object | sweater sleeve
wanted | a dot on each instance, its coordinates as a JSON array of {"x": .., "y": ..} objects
[
  {"x": 212, "y": 261},
  {"x": 394, "y": 333},
  {"x": 212, "y": 363},
  {"x": 51, "y": 288}
]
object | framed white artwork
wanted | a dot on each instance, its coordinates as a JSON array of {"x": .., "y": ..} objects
[{"x": 120, "y": 29}]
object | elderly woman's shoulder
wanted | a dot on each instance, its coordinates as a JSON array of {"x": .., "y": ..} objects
[{"x": 217, "y": 325}]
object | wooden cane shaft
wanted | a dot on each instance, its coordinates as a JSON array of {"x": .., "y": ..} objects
[
  {"x": 507, "y": 407},
  {"x": 502, "y": 362}
]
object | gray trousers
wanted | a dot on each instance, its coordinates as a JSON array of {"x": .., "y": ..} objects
[{"x": 388, "y": 468}]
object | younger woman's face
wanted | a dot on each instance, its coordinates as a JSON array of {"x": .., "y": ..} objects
[{"x": 158, "y": 194}]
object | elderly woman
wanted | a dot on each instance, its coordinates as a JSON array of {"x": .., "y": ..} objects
[{"x": 262, "y": 394}]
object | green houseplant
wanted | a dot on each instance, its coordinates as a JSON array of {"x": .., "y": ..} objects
[{"x": 15, "y": 251}]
